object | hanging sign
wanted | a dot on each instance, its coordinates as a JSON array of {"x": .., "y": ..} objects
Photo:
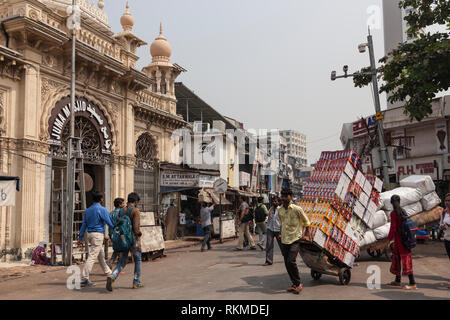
[
  {"x": 60, "y": 118},
  {"x": 8, "y": 193}
]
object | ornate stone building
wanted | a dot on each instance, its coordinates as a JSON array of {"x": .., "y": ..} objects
[{"x": 125, "y": 117}]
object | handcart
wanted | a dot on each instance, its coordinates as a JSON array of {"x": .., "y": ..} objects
[
  {"x": 320, "y": 262},
  {"x": 378, "y": 248}
]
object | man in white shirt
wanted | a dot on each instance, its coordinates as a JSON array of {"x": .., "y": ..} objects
[
  {"x": 273, "y": 230},
  {"x": 205, "y": 215}
]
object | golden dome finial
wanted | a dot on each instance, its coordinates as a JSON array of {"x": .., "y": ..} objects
[{"x": 127, "y": 20}]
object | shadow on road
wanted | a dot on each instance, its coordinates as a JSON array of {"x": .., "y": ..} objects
[{"x": 270, "y": 284}]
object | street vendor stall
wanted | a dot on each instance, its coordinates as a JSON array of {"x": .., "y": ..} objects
[{"x": 222, "y": 220}]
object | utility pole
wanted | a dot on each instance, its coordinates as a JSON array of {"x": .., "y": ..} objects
[
  {"x": 379, "y": 117},
  {"x": 383, "y": 150},
  {"x": 68, "y": 219}
]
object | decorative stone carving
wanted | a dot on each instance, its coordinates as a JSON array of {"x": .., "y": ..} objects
[
  {"x": 33, "y": 14},
  {"x": 2, "y": 114}
]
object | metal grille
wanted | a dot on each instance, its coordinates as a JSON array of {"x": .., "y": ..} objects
[{"x": 145, "y": 174}]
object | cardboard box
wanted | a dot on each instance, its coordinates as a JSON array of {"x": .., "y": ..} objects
[
  {"x": 349, "y": 259},
  {"x": 320, "y": 238},
  {"x": 368, "y": 187},
  {"x": 378, "y": 185},
  {"x": 364, "y": 199},
  {"x": 350, "y": 170}
]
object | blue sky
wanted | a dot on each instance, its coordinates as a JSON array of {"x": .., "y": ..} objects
[{"x": 266, "y": 63}]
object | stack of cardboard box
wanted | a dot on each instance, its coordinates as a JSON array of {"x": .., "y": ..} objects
[{"x": 340, "y": 201}]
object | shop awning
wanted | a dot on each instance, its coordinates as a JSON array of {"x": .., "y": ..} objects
[
  {"x": 209, "y": 195},
  {"x": 243, "y": 193}
]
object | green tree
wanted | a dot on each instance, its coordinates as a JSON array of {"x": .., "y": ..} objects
[{"x": 415, "y": 72}]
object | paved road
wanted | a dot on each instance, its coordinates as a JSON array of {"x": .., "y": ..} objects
[{"x": 223, "y": 274}]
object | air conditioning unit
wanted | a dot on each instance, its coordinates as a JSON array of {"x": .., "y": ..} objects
[{"x": 201, "y": 127}]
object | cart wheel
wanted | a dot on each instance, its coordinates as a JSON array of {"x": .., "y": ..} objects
[
  {"x": 371, "y": 253},
  {"x": 315, "y": 275},
  {"x": 344, "y": 276},
  {"x": 379, "y": 253}
]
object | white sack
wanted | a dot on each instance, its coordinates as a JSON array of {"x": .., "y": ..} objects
[
  {"x": 379, "y": 219},
  {"x": 422, "y": 182},
  {"x": 407, "y": 196},
  {"x": 429, "y": 201},
  {"x": 368, "y": 239},
  {"x": 388, "y": 215},
  {"x": 382, "y": 232},
  {"x": 380, "y": 204},
  {"x": 413, "y": 209}
]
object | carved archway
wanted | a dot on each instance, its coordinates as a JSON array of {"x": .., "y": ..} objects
[{"x": 52, "y": 92}]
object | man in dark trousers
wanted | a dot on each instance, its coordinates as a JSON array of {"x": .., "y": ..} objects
[
  {"x": 135, "y": 217},
  {"x": 292, "y": 220}
]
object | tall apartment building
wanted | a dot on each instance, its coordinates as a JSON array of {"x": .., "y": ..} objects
[{"x": 296, "y": 145}]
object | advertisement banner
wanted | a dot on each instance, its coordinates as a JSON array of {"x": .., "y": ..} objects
[{"x": 441, "y": 137}]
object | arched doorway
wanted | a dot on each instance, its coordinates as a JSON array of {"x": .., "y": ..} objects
[
  {"x": 94, "y": 131},
  {"x": 146, "y": 173}
]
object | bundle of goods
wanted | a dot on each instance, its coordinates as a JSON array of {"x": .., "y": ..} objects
[
  {"x": 427, "y": 217},
  {"x": 417, "y": 198},
  {"x": 425, "y": 185},
  {"x": 341, "y": 203}
]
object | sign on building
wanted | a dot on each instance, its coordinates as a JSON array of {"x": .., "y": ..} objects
[
  {"x": 420, "y": 166},
  {"x": 172, "y": 178}
]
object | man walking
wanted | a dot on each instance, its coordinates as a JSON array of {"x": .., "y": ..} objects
[
  {"x": 119, "y": 203},
  {"x": 292, "y": 220},
  {"x": 244, "y": 219},
  {"x": 205, "y": 214},
  {"x": 135, "y": 217},
  {"x": 273, "y": 231},
  {"x": 261, "y": 214},
  {"x": 94, "y": 220}
]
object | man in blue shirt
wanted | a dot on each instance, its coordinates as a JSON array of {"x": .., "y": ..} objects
[{"x": 94, "y": 220}]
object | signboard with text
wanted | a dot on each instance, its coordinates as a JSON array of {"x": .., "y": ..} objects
[
  {"x": 173, "y": 178},
  {"x": 419, "y": 166}
]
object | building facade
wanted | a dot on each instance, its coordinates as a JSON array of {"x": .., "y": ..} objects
[
  {"x": 415, "y": 147},
  {"x": 123, "y": 116},
  {"x": 296, "y": 145}
]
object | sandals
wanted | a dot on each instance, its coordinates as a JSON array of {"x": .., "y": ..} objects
[{"x": 410, "y": 287}]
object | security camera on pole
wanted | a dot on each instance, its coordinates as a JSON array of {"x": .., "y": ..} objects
[{"x": 384, "y": 155}]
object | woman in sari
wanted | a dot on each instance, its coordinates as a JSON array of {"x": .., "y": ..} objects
[{"x": 39, "y": 254}]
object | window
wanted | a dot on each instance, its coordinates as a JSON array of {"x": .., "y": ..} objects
[{"x": 145, "y": 173}]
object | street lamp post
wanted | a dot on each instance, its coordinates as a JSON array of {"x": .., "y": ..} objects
[
  {"x": 373, "y": 73},
  {"x": 68, "y": 236}
]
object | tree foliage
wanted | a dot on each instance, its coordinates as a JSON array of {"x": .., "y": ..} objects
[{"x": 416, "y": 71}]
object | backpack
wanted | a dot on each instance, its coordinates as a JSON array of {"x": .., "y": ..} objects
[
  {"x": 408, "y": 232},
  {"x": 249, "y": 216},
  {"x": 260, "y": 214},
  {"x": 122, "y": 234}
]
